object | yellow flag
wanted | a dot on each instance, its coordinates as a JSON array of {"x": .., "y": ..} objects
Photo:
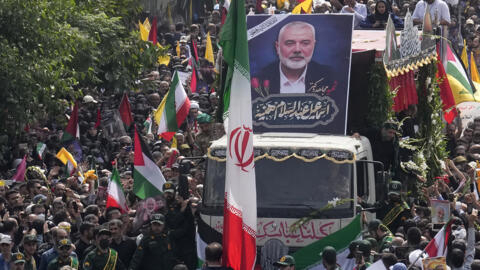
[
  {"x": 280, "y": 4},
  {"x": 464, "y": 55},
  {"x": 473, "y": 69},
  {"x": 157, "y": 115},
  {"x": 209, "y": 50},
  {"x": 177, "y": 49},
  {"x": 174, "y": 142},
  {"x": 305, "y": 5},
  {"x": 147, "y": 25},
  {"x": 64, "y": 156},
  {"x": 143, "y": 31},
  {"x": 163, "y": 59}
]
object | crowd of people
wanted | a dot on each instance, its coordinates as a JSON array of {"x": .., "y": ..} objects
[{"x": 54, "y": 221}]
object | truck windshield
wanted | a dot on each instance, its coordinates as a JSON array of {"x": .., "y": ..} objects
[{"x": 289, "y": 183}]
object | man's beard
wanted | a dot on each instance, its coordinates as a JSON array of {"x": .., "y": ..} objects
[{"x": 291, "y": 64}]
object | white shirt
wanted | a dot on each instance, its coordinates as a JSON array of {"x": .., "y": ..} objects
[
  {"x": 359, "y": 15},
  {"x": 438, "y": 11},
  {"x": 288, "y": 87}
]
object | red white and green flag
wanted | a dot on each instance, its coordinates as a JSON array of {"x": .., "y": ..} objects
[
  {"x": 437, "y": 247},
  {"x": 147, "y": 177},
  {"x": 116, "y": 195},
  {"x": 72, "y": 131},
  {"x": 41, "y": 149},
  {"x": 240, "y": 208},
  {"x": 173, "y": 109}
]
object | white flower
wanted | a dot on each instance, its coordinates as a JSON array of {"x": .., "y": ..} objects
[
  {"x": 429, "y": 80},
  {"x": 334, "y": 201}
]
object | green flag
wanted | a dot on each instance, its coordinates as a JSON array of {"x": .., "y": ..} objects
[{"x": 233, "y": 40}]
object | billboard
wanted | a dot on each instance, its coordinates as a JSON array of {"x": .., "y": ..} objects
[{"x": 300, "y": 70}]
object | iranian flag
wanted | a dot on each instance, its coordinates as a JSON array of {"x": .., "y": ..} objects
[
  {"x": 40, "y": 149},
  {"x": 438, "y": 245},
  {"x": 240, "y": 208},
  {"x": 147, "y": 177},
  {"x": 173, "y": 109},
  {"x": 457, "y": 77},
  {"x": 72, "y": 131},
  {"x": 116, "y": 195}
]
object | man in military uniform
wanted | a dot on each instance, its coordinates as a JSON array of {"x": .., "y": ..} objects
[
  {"x": 64, "y": 258},
  {"x": 286, "y": 262},
  {"x": 29, "y": 249},
  {"x": 203, "y": 139},
  {"x": 381, "y": 233},
  {"x": 18, "y": 261},
  {"x": 154, "y": 251},
  {"x": 393, "y": 211},
  {"x": 102, "y": 257}
]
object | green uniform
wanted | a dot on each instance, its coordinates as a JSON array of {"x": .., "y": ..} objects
[
  {"x": 385, "y": 242},
  {"x": 96, "y": 260},
  {"x": 58, "y": 262},
  {"x": 30, "y": 264},
  {"x": 202, "y": 142},
  {"x": 154, "y": 252}
]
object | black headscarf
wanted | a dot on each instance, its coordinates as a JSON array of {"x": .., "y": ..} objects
[{"x": 381, "y": 17}]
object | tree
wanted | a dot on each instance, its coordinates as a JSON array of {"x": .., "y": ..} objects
[{"x": 55, "y": 50}]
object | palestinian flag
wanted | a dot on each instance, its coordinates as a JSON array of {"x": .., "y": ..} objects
[
  {"x": 41, "y": 149},
  {"x": 116, "y": 195},
  {"x": 438, "y": 245},
  {"x": 72, "y": 130},
  {"x": 125, "y": 111},
  {"x": 309, "y": 256},
  {"x": 457, "y": 77},
  {"x": 147, "y": 177},
  {"x": 173, "y": 109}
]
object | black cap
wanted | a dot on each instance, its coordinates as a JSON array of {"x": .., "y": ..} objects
[
  {"x": 374, "y": 224},
  {"x": 157, "y": 218},
  {"x": 329, "y": 255},
  {"x": 352, "y": 248},
  {"x": 103, "y": 231},
  {"x": 395, "y": 187},
  {"x": 168, "y": 187},
  {"x": 365, "y": 248}
]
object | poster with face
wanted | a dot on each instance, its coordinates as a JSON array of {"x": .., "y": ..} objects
[
  {"x": 440, "y": 211},
  {"x": 300, "y": 70},
  {"x": 436, "y": 263}
]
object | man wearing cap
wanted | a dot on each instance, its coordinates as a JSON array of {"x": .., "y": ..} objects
[
  {"x": 362, "y": 255},
  {"x": 6, "y": 251},
  {"x": 381, "y": 233},
  {"x": 30, "y": 248},
  {"x": 18, "y": 261},
  {"x": 286, "y": 262},
  {"x": 329, "y": 258},
  {"x": 154, "y": 251},
  {"x": 102, "y": 257},
  {"x": 47, "y": 256},
  {"x": 64, "y": 258},
  {"x": 393, "y": 211},
  {"x": 203, "y": 139}
]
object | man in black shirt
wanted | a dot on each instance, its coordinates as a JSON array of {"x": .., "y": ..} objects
[
  {"x": 124, "y": 245},
  {"x": 86, "y": 237}
]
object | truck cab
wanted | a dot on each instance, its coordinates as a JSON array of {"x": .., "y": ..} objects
[{"x": 296, "y": 173}]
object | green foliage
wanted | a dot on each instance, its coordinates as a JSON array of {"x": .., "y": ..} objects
[
  {"x": 55, "y": 50},
  {"x": 380, "y": 97}
]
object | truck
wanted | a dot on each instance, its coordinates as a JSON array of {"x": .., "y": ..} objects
[{"x": 296, "y": 173}]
